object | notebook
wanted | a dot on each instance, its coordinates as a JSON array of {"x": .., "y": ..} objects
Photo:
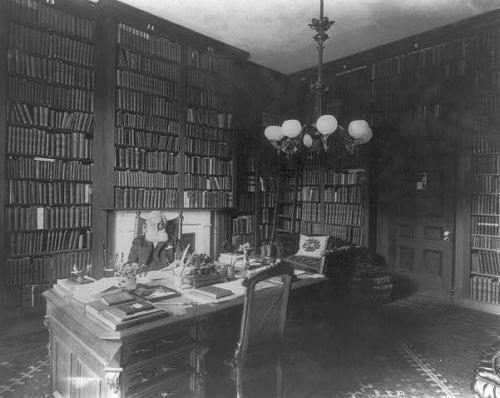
[{"x": 213, "y": 291}]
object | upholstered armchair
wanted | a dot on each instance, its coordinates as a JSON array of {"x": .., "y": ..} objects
[
  {"x": 486, "y": 382},
  {"x": 337, "y": 261}
]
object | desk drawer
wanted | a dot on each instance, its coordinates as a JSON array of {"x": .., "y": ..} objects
[
  {"x": 166, "y": 369},
  {"x": 158, "y": 344},
  {"x": 178, "y": 386}
]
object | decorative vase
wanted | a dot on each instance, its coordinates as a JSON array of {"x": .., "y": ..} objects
[{"x": 130, "y": 283}]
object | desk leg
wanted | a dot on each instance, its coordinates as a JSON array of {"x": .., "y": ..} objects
[{"x": 112, "y": 381}]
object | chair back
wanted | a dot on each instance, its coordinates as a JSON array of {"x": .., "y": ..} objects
[{"x": 264, "y": 312}]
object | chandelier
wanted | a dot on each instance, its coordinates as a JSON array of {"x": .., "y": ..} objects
[{"x": 292, "y": 137}]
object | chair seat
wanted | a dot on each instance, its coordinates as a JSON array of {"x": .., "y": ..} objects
[{"x": 304, "y": 262}]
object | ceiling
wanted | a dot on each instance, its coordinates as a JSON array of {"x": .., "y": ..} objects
[{"x": 276, "y": 32}]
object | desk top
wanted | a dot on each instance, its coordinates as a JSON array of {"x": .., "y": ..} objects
[{"x": 188, "y": 307}]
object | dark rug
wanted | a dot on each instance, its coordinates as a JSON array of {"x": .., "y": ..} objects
[{"x": 415, "y": 347}]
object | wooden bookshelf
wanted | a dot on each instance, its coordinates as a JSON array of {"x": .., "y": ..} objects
[
  {"x": 485, "y": 168},
  {"x": 50, "y": 61}
]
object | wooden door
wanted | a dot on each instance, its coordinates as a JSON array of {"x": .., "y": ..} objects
[{"x": 425, "y": 223}]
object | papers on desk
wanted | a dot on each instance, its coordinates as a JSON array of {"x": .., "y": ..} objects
[{"x": 84, "y": 293}]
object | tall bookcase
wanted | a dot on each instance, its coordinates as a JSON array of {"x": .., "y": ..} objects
[
  {"x": 209, "y": 136},
  {"x": 147, "y": 120},
  {"x": 485, "y": 205},
  {"x": 48, "y": 154}
]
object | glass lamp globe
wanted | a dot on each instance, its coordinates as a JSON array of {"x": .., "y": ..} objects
[
  {"x": 291, "y": 128},
  {"x": 368, "y": 136},
  {"x": 268, "y": 133},
  {"x": 359, "y": 129},
  {"x": 307, "y": 140},
  {"x": 277, "y": 133},
  {"x": 326, "y": 124}
]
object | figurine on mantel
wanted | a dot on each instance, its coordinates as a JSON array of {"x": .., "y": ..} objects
[{"x": 156, "y": 248}]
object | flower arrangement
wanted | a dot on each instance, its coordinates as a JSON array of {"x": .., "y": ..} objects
[{"x": 130, "y": 270}]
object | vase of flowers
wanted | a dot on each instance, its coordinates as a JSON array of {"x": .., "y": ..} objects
[{"x": 129, "y": 272}]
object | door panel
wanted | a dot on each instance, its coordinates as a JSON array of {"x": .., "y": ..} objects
[{"x": 425, "y": 220}]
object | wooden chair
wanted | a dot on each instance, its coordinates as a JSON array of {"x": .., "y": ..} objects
[{"x": 255, "y": 369}]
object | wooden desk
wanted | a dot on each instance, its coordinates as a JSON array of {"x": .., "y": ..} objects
[{"x": 160, "y": 358}]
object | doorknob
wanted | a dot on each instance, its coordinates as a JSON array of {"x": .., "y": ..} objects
[{"x": 446, "y": 235}]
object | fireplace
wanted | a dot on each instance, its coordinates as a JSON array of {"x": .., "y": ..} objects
[{"x": 204, "y": 230}]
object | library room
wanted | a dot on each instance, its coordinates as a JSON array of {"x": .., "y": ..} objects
[{"x": 235, "y": 199}]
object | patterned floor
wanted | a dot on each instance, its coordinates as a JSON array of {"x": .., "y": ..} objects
[{"x": 416, "y": 347}]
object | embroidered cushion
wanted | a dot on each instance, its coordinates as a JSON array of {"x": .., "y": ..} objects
[{"x": 312, "y": 246}]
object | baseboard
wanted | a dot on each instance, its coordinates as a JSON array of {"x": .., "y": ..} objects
[{"x": 478, "y": 305}]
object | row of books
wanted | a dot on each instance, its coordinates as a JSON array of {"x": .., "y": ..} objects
[
  {"x": 207, "y": 165},
  {"x": 144, "y": 179},
  {"x": 485, "y": 144},
  {"x": 209, "y": 117},
  {"x": 309, "y": 194},
  {"x": 138, "y": 101},
  {"x": 151, "y": 123},
  {"x": 384, "y": 118},
  {"x": 148, "y": 43},
  {"x": 52, "y": 96},
  {"x": 30, "y": 218},
  {"x": 485, "y": 225},
  {"x": 247, "y": 183},
  {"x": 203, "y": 182},
  {"x": 487, "y": 80},
  {"x": 311, "y": 212},
  {"x": 209, "y": 62},
  {"x": 27, "y": 243},
  {"x": 485, "y": 262},
  {"x": 28, "y": 297},
  {"x": 351, "y": 234},
  {"x": 208, "y": 199},
  {"x": 141, "y": 63},
  {"x": 486, "y": 183},
  {"x": 489, "y": 39},
  {"x": 26, "y": 270},
  {"x": 37, "y": 13},
  {"x": 42, "y": 116},
  {"x": 422, "y": 58},
  {"x": 485, "y": 242},
  {"x": 348, "y": 178},
  {"x": 51, "y": 71},
  {"x": 289, "y": 196},
  {"x": 310, "y": 177},
  {"x": 266, "y": 215},
  {"x": 285, "y": 210},
  {"x": 43, "y": 43},
  {"x": 486, "y": 204},
  {"x": 136, "y": 158},
  {"x": 210, "y": 82},
  {"x": 268, "y": 199},
  {"x": 47, "y": 169},
  {"x": 345, "y": 194},
  {"x": 485, "y": 289},
  {"x": 311, "y": 228},
  {"x": 489, "y": 102},
  {"x": 219, "y": 149},
  {"x": 145, "y": 198},
  {"x": 24, "y": 192},
  {"x": 484, "y": 124},
  {"x": 243, "y": 224},
  {"x": 486, "y": 164},
  {"x": 144, "y": 139},
  {"x": 207, "y": 133},
  {"x": 147, "y": 84},
  {"x": 246, "y": 201},
  {"x": 35, "y": 142},
  {"x": 343, "y": 213},
  {"x": 266, "y": 231},
  {"x": 196, "y": 97}
]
